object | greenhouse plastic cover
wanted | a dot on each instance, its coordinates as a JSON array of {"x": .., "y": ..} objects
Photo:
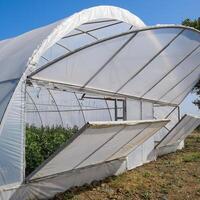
[
  {"x": 19, "y": 57},
  {"x": 21, "y": 54},
  {"x": 172, "y": 48},
  {"x": 93, "y": 62},
  {"x": 180, "y": 131},
  {"x": 98, "y": 142},
  {"x": 98, "y": 67},
  {"x": 47, "y": 188}
]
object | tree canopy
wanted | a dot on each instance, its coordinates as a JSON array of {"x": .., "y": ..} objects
[{"x": 195, "y": 24}]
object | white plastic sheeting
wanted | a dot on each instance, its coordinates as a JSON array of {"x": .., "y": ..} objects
[
  {"x": 98, "y": 142},
  {"x": 48, "y": 187},
  {"x": 180, "y": 131},
  {"x": 142, "y": 154},
  {"x": 12, "y": 141},
  {"x": 175, "y": 138},
  {"x": 98, "y": 66},
  {"x": 14, "y": 56},
  {"x": 163, "y": 112},
  {"x": 21, "y": 54}
]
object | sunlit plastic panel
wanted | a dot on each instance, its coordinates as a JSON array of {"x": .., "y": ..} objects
[
  {"x": 182, "y": 129},
  {"x": 115, "y": 28},
  {"x": 132, "y": 57},
  {"x": 168, "y": 59},
  {"x": 84, "y": 35},
  {"x": 123, "y": 65},
  {"x": 180, "y": 90},
  {"x": 177, "y": 74},
  {"x": 78, "y": 68},
  {"x": 54, "y": 52},
  {"x": 97, "y": 142}
]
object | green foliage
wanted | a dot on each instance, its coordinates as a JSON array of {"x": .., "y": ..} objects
[
  {"x": 195, "y": 24},
  {"x": 192, "y": 157},
  {"x": 42, "y": 142},
  {"x": 146, "y": 175},
  {"x": 192, "y": 23}
]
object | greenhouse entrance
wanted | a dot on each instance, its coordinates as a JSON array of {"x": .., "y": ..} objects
[{"x": 55, "y": 114}]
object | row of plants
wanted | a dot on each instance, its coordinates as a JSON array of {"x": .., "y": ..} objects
[{"x": 41, "y": 142}]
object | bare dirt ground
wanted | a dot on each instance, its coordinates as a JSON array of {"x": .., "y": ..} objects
[{"x": 172, "y": 177}]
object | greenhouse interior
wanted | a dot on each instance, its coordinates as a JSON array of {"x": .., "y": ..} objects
[{"x": 93, "y": 95}]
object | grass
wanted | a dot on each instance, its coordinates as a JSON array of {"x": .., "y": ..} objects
[{"x": 172, "y": 177}]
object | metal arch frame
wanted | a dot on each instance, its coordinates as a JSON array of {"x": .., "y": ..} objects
[
  {"x": 147, "y": 64},
  {"x": 107, "y": 39},
  {"x": 109, "y": 60},
  {"x": 81, "y": 109},
  {"x": 103, "y": 40},
  {"x": 56, "y": 106},
  {"x": 179, "y": 82},
  {"x": 35, "y": 107},
  {"x": 177, "y": 65}
]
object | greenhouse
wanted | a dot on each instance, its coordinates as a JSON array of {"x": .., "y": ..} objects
[{"x": 108, "y": 86}]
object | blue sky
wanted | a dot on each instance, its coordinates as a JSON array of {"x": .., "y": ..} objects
[{"x": 19, "y": 16}]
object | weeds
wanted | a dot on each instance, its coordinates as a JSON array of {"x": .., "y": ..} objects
[{"x": 192, "y": 157}]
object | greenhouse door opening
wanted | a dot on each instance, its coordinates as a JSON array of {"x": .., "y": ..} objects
[{"x": 54, "y": 115}]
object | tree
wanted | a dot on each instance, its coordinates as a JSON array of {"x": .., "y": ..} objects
[{"x": 195, "y": 24}]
